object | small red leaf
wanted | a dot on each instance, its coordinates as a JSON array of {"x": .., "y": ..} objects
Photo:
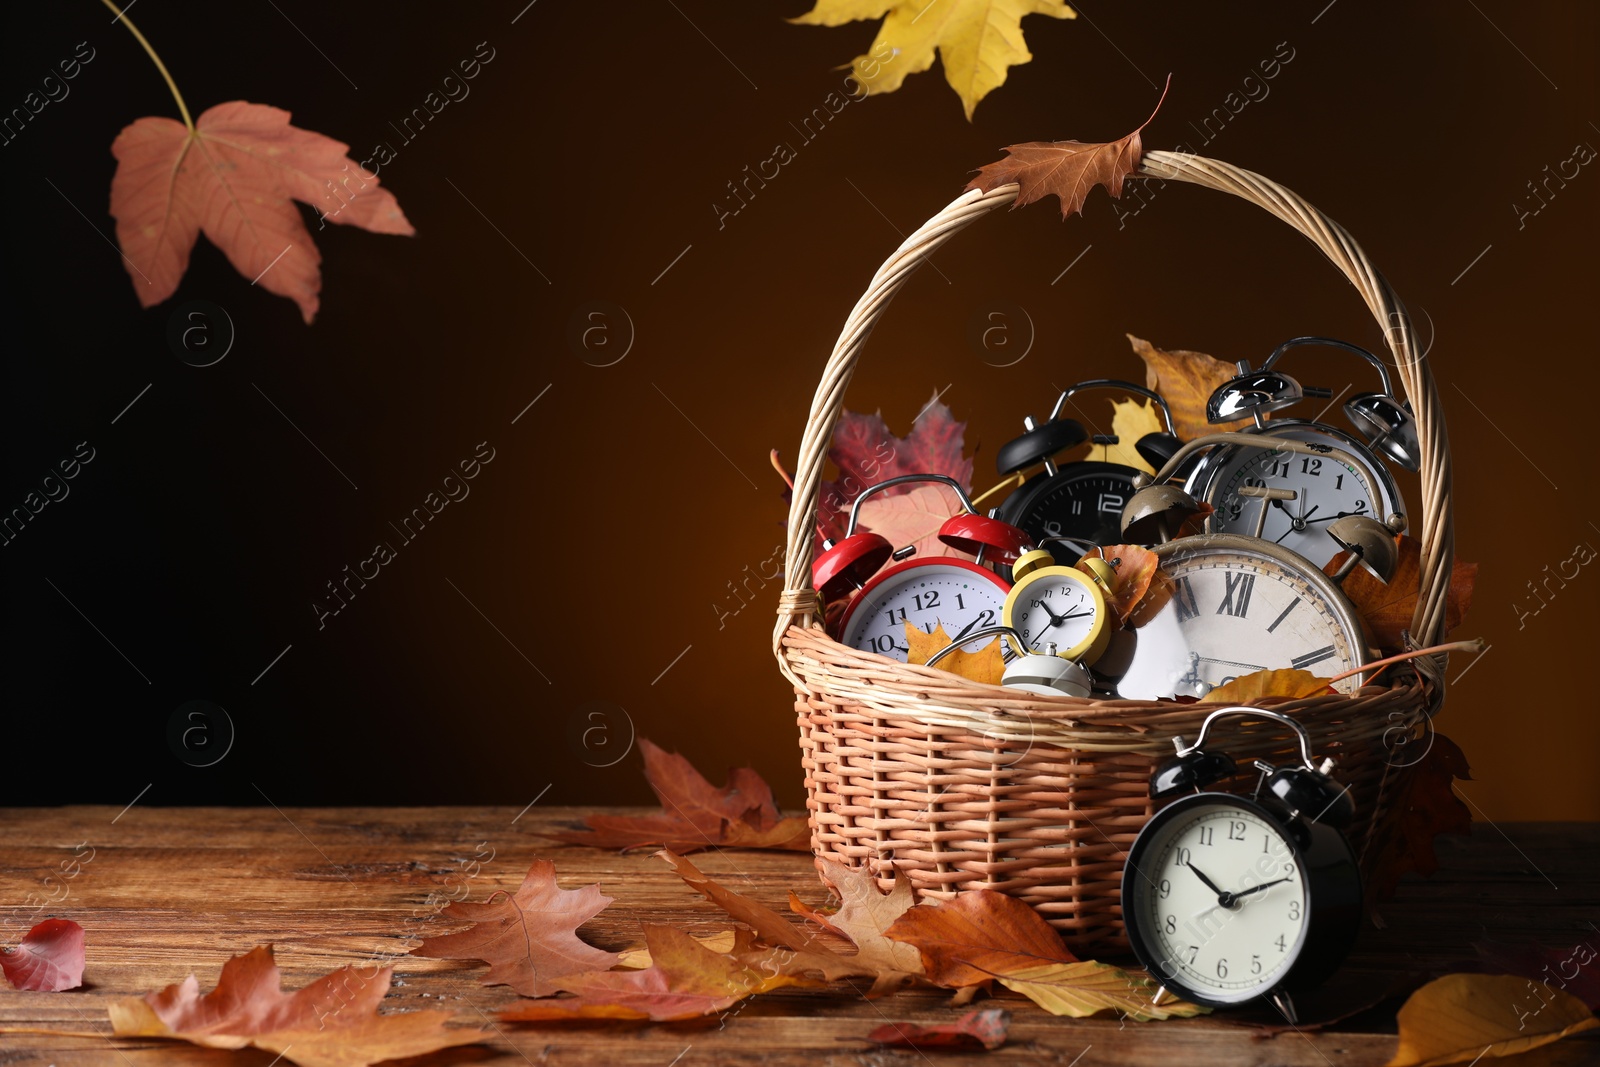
[
  {"x": 48, "y": 959},
  {"x": 984, "y": 1029}
]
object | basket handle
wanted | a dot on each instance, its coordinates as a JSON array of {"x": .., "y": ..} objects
[{"x": 797, "y": 604}]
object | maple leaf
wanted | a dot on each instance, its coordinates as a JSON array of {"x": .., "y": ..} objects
[
  {"x": 1087, "y": 988},
  {"x": 48, "y": 959},
  {"x": 1288, "y": 682},
  {"x": 1463, "y": 1017},
  {"x": 1388, "y": 606},
  {"x": 684, "y": 980},
  {"x": 978, "y": 936},
  {"x": 333, "y": 1022},
  {"x": 1186, "y": 381},
  {"x": 913, "y": 519},
  {"x": 1427, "y": 807},
  {"x": 1136, "y": 568},
  {"x": 1131, "y": 422},
  {"x": 1547, "y": 965},
  {"x": 986, "y": 665},
  {"x": 985, "y": 1029},
  {"x": 977, "y": 40},
  {"x": 528, "y": 938},
  {"x": 1067, "y": 170},
  {"x": 638, "y": 957},
  {"x": 866, "y": 452},
  {"x": 864, "y": 917},
  {"x": 235, "y": 177},
  {"x": 696, "y": 814}
]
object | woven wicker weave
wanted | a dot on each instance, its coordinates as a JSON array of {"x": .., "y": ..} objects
[{"x": 960, "y": 785}]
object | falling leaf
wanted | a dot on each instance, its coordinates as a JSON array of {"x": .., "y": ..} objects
[
  {"x": 866, "y": 452},
  {"x": 1083, "y": 989},
  {"x": 1388, "y": 606},
  {"x": 1463, "y": 1017},
  {"x": 1547, "y": 965},
  {"x": 975, "y": 1030},
  {"x": 1426, "y": 807},
  {"x": 1288, "y": 683},
  {"x": 864, "y": 917},
  {"x": 529, "y": 937},
  {"x": 977, "y": 40},
  {"x": 1067, "y": 170},
  {"x": 236, "y": 177},
  {"x": 1136, "y": 568},
  {"x": 637, "y": 958},
  {"x": 1186, "y": 380},
  {"x": 979, "y": 936},
  {"x": 696, "y": 814},
  {"x": 986, "y": 665},
  {"x": 333, "y": 1022},
  {"x": 684, "y": 980},
  {"x": 1131, "y": 422},
  {"x": 48, "y": 959},
  {"x": 914, "y": 519}
]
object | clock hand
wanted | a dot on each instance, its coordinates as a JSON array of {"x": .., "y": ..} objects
[
  {"x": 966, "y": 629},
  {"x": 1342, "y": 514},
  {"x": 1256, "y": 889}
]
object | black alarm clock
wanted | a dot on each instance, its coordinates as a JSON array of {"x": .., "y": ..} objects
[{"x": 1231, "y": 899}]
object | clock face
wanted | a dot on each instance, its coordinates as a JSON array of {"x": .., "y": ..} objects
[
  {"x": 1053, "y": 607},
  {"x": 952, "y": 593},
  {"x": 1325, "y": 489},
  {"x": 1233, "y": 606},
  {"x": 1215, "y": 900},
  {"x": 1082, "y": 500}
]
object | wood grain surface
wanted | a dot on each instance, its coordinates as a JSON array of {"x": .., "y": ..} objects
[{"x": 163, "y": 892}]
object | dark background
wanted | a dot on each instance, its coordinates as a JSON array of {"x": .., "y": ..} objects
[{"x": 594, "y": 551}]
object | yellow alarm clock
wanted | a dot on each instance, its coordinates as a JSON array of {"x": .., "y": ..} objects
[{"x": 1061, "y": 606}]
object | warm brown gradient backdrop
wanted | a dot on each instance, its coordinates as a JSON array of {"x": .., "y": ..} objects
[{"x": 596, "y": 546}]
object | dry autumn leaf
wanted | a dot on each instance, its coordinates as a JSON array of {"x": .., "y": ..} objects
[
  {"x": 867, "y": 452},
  {"x": 985, "y": 1029},
  {"x": 1187, "y": 380},
  {"x": 986, "y": 665},
  {"x": 48, "y": 959},
  {"x": 1068, "y": 170},
  {"x": 333, "y": 1022},
  {"x": 1131, "y": 422},
  {"x": 235, "y": 176},
  {"x": 1388, "y": 606},
  {"x": 1547, "y": 965},
  {"x": 638, "y": 957},
  {"x": 528, "y": 938},
  {"x": 979, "y": 936},
  {"x": 1427, "y": 806},
  {"x": 977, "y": 40},
  {"x": 864, "y": 917},
  {"x": 696, "y": 814},
  {"x": 684, "y": 980},
  {"x": 913, "y": 518},
  {"x": 1287, "y": 683},
  {"x": 1463, "y": 1017},
  {"x": 1136, "y": 568},
  {"x": 1087, "y": 988}
]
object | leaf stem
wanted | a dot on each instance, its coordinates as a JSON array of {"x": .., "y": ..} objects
[
  {"x": 183, "y": 108},
  {"x": 1474, "y": 645}
]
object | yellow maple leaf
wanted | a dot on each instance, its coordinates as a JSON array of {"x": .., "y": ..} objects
[
  {"x": 986, "y": 665},
  {"x": 1130, "y": 422},
  {"x": 977, "y": 40}
]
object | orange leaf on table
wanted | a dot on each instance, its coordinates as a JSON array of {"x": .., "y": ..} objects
[
  {"x": 236, "y": 177},
  {"x": 48, "y": 959},
  {"x": 1067, "y": 170},
  {"x": 696, "y": 814},
  {"x": 333, "y": 1022},
  {"x": 1388, "y": 606},
  {"x": 864, "y": 917},
  {"x": 979, "y": 936},
  {"x": 1426, "y": 807},
  {"x": 913, "y": 518},
  {"x": 984, "y": 1029},
  {"x": 986, "y": 665},
  {"x": 1463, "y": 1017},
  {"x": 685, "y": 980},
  {"x": 1187, "y": 380},
  {"x": 1086, "y": 988},
  {"x": 528, "y": 938},
  {"x": 1287, "y": 682}
]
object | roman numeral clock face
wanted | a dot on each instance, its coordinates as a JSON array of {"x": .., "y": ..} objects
[{"x": 1236, "y": 605}]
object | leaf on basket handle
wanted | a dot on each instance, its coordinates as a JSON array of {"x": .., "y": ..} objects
[{"x": 986, "y": 665}]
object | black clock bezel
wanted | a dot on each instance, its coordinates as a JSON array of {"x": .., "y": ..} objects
[
  {"x": 1332, "y": 881},
  {"x": 1022, "y": 499}
]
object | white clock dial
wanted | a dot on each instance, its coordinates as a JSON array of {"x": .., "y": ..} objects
[
  {"x": 1220, "y": 897},
  {"x": 1060, "y": 611},
  {"x": 1234, "y": 606},
  {"x": 961, "y": 598},
  {"x": 1325, "y": 489}
]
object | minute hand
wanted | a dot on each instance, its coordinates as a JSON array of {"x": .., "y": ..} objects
[{"x": 1257, "y": 888}]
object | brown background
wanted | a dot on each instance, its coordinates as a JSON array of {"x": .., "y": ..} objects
[{"x": 600, "y": 541}]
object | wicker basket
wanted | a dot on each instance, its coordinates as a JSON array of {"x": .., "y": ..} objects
[{"x": 959, "y": 785}]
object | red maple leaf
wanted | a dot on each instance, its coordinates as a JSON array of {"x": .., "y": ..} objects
[{"x": 235, "y": 176}]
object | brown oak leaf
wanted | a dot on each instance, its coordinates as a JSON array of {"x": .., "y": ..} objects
[
  {"x": 333, "y": 1022},
  {"x": 1388, "y": 606},
  {"x": 864, "y": 917},
  {"x": 1136, "y": 567},
  {"x": 978, "y": 936},
  {"x": 1187, "y": 380},
  {"x": 528, "y": 938}
]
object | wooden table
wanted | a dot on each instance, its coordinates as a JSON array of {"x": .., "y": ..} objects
[{"x": 167, "y": 891}]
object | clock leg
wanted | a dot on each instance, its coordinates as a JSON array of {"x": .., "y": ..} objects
[
  {"x": 1285, "y": 1006},
  {"x": 1161, "y": 994}
]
